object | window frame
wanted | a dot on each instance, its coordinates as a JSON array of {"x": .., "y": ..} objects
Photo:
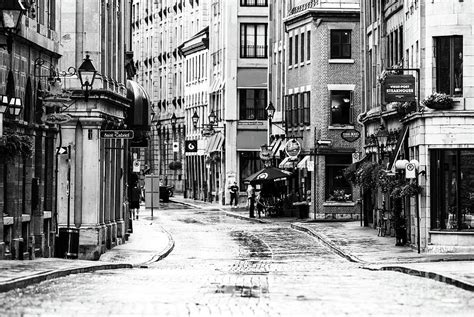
[
  {"x": 245, "y": 111},
  {"x": 255, "y": 3},
  {"x": 244, "y": 47},
  {"x": 452, "y": 61},
  {"x": 333, "y": 162},
  {"x": 340, "y": 44},
  {"x": 350, "y": 114}
]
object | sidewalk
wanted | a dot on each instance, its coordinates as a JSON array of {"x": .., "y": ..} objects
[
  {"x": 362, "y": 245},
  {"x": 139, "y": 250}
]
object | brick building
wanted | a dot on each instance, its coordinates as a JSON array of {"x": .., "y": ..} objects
[{"x": 322, "y": 103}]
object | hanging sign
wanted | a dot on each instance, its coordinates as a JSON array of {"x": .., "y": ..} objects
[
  {"x": 293, "y": 148},
  {"x": 191, "y": 145},
  {"x": 410, "y": 170},
  {"x": 56, "y": 118},
  {"x": 175, "y": 147},
  {"x": 399, "y": 88},
  {"x": 116, "y": 134},
  {"x": 136, "y": 166},
  {"x": 350, "y": 135}
]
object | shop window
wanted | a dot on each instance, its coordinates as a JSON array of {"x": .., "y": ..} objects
[
  {"x": 249, "y": 163},
  {"x": 253, "y": 40},
  {"x": 340, "y": 44},
  {"x": 341, "y": 107},
  {"x": 449, "y": 64},
  {"x": 252, "y": 104},
  {"x": 337, "y": 187},
  {"x": 452, "y": 183},
  {"x": 253, "y": 3}
]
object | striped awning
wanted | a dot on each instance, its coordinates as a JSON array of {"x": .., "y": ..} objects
[
  {"x": 288, "y": 162},
  {"x": 304, "y": 162},
  {"x": 214, "y": 143},
  {"x": 276, "y": 146}
]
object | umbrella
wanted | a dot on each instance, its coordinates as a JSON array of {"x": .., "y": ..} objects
[{"x": 268, "y": 174}]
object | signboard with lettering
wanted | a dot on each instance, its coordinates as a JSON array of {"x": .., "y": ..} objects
[
  {"x": 116, "y": 134},
  {"x": 399, "y": 88},
  {"x": 350, "y": 135},
  {"x": 57, "y": 118}
]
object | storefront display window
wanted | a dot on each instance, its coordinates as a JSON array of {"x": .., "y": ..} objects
[
  {"x": 250, "y": 163},
  {"x": 337, "y": 187},
  {"x": 452, "y": 184}
]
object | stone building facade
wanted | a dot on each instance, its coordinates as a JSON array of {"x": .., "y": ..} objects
[{"x": 430, "y": 41}]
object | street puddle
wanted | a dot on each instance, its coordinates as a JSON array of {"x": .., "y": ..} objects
[{"x": 242, "y": 291}]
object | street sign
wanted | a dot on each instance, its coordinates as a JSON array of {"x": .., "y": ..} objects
[
  {"x": 355, "y": 157},
  {"x": 410, "y": 170},
  {"x": 116, "y": 134},
  {"x": 61, "y": 150}
]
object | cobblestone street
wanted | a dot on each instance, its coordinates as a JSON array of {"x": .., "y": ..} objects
[{"x": 224, "y": 266}]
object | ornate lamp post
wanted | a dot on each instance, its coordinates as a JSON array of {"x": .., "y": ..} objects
[
  {"x": 86, "y": 73},
  {"x": 270, "y": 113},
  {"x": 195, "y": 119},
  {"x": 11, "y": 12},
  {"x": 382, "y": 136}
]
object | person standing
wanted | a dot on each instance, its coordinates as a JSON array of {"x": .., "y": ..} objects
[
  {"x": 251, "y": 200},
  {"x": 135, "y": 200},
  {"x": 233, "y": 189}
]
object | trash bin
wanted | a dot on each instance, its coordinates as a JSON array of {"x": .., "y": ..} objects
[
  {"x": 68, "y": 243},
  {"x": 303, "y": 211}
]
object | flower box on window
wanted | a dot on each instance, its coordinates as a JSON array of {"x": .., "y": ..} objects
[{"x": 438, "y": 101}]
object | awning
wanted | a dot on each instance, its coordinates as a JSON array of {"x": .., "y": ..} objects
[
  {"x": 139, "y": 112},
  {"x": 214, "y": 143},
  {"x": 400, "y": 141},
  {"x": 276, "y": 147},
  {"x": 216, "y": 84},
  {"x": 304, "y": 162},
  {"x": 288, "y": 162}
]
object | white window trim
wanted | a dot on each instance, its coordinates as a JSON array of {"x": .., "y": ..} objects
[
  {"x": 341, "y": 61},
  {"x": 341, "y": 87}
]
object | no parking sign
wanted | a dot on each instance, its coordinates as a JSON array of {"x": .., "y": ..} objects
[{"x": 410, "y": 170}]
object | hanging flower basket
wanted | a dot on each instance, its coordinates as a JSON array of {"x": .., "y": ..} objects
[
  {"x": 405, "y": 108},
  {"x": 12, "y": 146},
  {"x": 175, "y": 165},
  {"x": 438, "y": 101},
  {"x": 406, "y": 190}
]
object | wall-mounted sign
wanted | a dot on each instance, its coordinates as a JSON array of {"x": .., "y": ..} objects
[
  {"x": 410, "y": 170},
  {"x": 350, "y": 135},
  {"x": 293, "y": 148},
  {"x": 57, "y": 118},
  {"x": 191, "y": 145},
  {"x": 175, "y": 146},
  {"x": 399, "y": 88},
  {"x": 116, "y": 134},
  {"x": 207, "y": 132}
]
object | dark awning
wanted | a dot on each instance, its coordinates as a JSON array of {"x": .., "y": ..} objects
[{"x": 139, "y": 112}]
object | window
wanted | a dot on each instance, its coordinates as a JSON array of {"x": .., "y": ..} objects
[
  {"x": 294, "y": 110},
  {"x": 452, "y": 180},
  {"x": 296, "y": 49},
  {"x": 302, "y": 47},
  {"x": 253, "y": 3},
  {"x": 306, "y": 108},
  {"x": 290, "y": 51},
  {"x": 449, "y": 65},
  {"x": 341, "y": 107},
  {"x": 337, "y": 186},
  {"x": 340, "y": 44},
  {"x": 253, "y": 40},
  {"x": 308, "y": 46},
  {"x": 289, "y": 103},
  {"x": 252, "y": 104}
]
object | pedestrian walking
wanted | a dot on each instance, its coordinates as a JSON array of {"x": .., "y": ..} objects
[
  {"x": 260, "y": 204},
  {"x": 251, "y": 200},
  {"x": 135, "y": 201},
  {"x": 233, "y": 189}
]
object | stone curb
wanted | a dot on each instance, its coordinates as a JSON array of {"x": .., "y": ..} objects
[
  {"x": 40, "y": 277},
  {"x": 162, "y": 255},
  {"x": 401, "y": 269},
  {"x": 426, "y": 274},
  {"x": 325, "y": 240}
]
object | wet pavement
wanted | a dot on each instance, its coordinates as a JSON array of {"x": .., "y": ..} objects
[{"x": 225, "y": 266}]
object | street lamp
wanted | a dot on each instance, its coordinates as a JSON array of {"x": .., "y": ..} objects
[
  {"x": 87, "y": 73},
  {"x": 195, "y": 119},
  {"x": 173, "y": 120},
  {"x": 11, "y": 12},
  {"x": 212, "y": 118},
  {"x": 270, "y": 113},
  {"x": 382, "y": 136},
  {"x": 15, "y": 106}
]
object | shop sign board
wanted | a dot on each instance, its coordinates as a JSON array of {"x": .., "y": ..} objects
[
  {"x": 399, "y": 88},
  {"x": 57, "y": 118},
  {"x": 350, "y": 135},
  {"x": 293, "y": 148},
  {"x": 265, "y": 154},
  {"x": 116, "y": 134},
  {"x": 175, "y": 146},
  {"x": 191, "y": 145}
]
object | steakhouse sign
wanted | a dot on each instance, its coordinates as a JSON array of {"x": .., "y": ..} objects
[{"x": 399, "y": 88}]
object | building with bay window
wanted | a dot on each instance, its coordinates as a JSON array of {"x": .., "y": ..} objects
[{"x": 430, "y": 41}]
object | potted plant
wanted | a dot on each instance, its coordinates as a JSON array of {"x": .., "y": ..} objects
[
  {"x": 438, "y": 101},
  {"x": 175, "y": 165},
  {"x": 13, "y": 145},
  {"x": 405, "y": 108}
]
